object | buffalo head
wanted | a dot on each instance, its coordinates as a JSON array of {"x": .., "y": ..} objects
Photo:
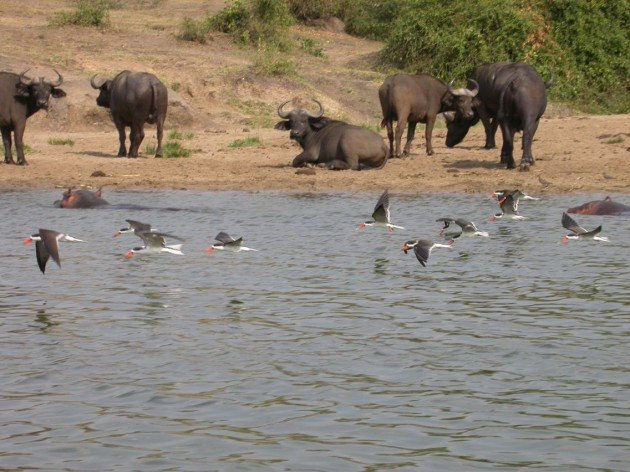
[
  {"x": 458, "y": 126},
  {"x": 103, "y": 85},
  {"x": 460, "y": 100},
  {"x": 300, "y": 122},
  {"x": 39, "y": 90}
]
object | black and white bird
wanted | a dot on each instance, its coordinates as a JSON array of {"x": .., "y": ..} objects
[
  {"x": 423, "y": 247},
  {"x": 577, "y": 232},
  {"x": 517, "y": 195},
  {"x": 155, "y": 242},
  {"x": 228, "y": 243},
  {"x": 380, "y": 217},
  {"x": 468, "y": 228},
  {"x": 134, "y": 227},
  {"x": 509, "y": 209},
  {"x": 47, "y": 245}
]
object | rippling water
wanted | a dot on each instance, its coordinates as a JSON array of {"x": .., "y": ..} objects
[{"x": 327, "y": 350}]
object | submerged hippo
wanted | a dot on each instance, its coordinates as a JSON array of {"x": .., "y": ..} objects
[
  {"x": 601, "y": 207},
  {"x": 81, "y": 199}
]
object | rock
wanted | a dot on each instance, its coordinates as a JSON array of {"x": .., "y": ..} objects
[{"x": 98, "y": 173}]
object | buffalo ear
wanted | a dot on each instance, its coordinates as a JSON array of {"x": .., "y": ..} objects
[
  {"x": 318, "y": 123},
  {"x": 448, "y": 99},
  {"x": 283, "y": 125},
  {"x": 22, "y": 90},
  {"x": 57, "y": 93}
]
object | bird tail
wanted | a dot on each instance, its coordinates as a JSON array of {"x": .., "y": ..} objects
[{"x": 174, "y": 249}]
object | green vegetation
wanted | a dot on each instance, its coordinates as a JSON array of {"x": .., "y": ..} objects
[
  {"x": 246, "y": 142},
  {"x": 176, "y": 134},
  {"x": 261, "y": 114},
  {"x": 61, "y": 142},
  {"x": 274, "y": 64},
  {"x": 191, "y": 30},
  {"x": 311, "y": 46},
  {"x": 27, "y": 150},
  {"x": 85, "y": 13},
  {"x": 615, "y": 140},
  {"x": 174, "y": 149}
]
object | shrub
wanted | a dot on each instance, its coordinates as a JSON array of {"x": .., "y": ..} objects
[
  {"x": 61, "y": 142},
  {"x": 264, "y": 23},
  {"x": 174, "y": 149},
  {"x": 191, "y": 30},
  {"x": 245, "y": 142},
  {"x": 312, "y": 9},
  {"x": 85, "y": 13},
  {"x": 274, "y": 64},
  {"x": 312, "y": 47}
]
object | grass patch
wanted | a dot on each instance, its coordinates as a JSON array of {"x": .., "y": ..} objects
[
  {"x": 174, "y": 149},
  {"x": 260, "y": 114},
  {"x": 274, "y": 64},
  {"x": 246, "y": 142},
  {"x": 615, "y": 140},
  {"x": 312, "y": 47},
  {"x": 61, "y": 142},
  {"x": 179, "y": 135},
  {"x": 85, "y": 13},
  {"x": 195, "y": 31}
]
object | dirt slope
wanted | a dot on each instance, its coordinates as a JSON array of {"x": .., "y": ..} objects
[{"x": 215, "y": 93}]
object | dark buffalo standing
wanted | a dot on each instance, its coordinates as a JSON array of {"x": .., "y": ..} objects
[
  {"x": 134, "y": 98},
  {"x": 512, "y": 96},
  {"x": 20, "y": 97},
  {"x": 417, "y": 99},
  {"x": 337, "y": 144}
]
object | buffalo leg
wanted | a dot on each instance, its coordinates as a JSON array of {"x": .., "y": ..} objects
[
  {"x": 400, "y": 128},
  {"x": 303, "y": 158},
  {"x": 6, "y": 140},
  {"x": 489, "y": 126},
  {"x": 428, "y": 132},
  {"x": 18, "y": 135},
  {"x": 160, "y": 134},
  {"x": 528, "y": 137},
  {"x": 411, "y": 131},
  {"x": 507, "y": 151},
  {"x": 122, "y": 137},
  {"x": 136, "y": 135},
  {"x": 338, "y": 164},
  {"x": 390, "y": 135}
]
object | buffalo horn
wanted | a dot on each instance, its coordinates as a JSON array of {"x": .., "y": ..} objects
[
  {"x": 26, "y": 80},
  {"x": 451, "y": 83},
  {"x": 449, "y": 116},
  {"x": 320, "y": 113},
  {"x": 475, "y": 89},
  {"x": 96, "y": 85},
  {"x": 281, "y": 113},
  {"x": 59, "y": 79}
]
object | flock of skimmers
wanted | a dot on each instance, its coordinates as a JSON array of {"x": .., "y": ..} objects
[{"x": 47, "y": 241}]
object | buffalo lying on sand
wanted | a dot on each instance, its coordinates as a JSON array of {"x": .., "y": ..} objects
[
  {"x": 512, "y": 96},
  {"x": 20, "y": 97},
  {"x": 336, "y": 144},
  {"x": 417, "y": 99},
  {"x": 134, "y": 98}
]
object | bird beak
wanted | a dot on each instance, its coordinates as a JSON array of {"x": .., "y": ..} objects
[
  {"x": 361, "y": 227},
  {"x": 128, "y": 254},
  {"x": 117, "y": 233},
  {"x": 210, "y": 250},
  {"x": 405, "y": 248},
  {"x": 28, "y": 240},
  {"x": 564, "y": 239},
  {"x": 502, "y": 200}
]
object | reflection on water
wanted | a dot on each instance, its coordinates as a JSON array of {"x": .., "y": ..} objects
[{"x": 327, "y": 350}]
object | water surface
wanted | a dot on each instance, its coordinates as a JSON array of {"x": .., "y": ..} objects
[{"x": 329, "y": 349}]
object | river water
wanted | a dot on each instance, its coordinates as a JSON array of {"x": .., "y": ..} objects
[{"x": 327, "y": 350}]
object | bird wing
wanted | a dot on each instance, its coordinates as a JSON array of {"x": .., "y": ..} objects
[
  {"x": 570, "y": 224},
  {"x": 151, "y": 238},
  {"x": 422, "y": 250},
  {"x": 594, "y": 232},
  {"x": 447, "y": 221},
  {"x": 224, "y": 238},
  {"x": 236, "y": 242},
  {"x": 138, "y": 226},
  {"x": 463, "y": 224},
  {"x": 50, "y": 244},
  {"x": 381, "y": 210},
  {"x": 42, "y": 255},
  {"x": 508, "y": 205}
]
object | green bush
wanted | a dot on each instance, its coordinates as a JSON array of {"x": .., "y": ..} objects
[
  {"x": 274, "y": 64},
  {"x": 85, "y": 13},
  {"x": 191, "y": 30},
  {"x": 311, "y": 46},
  {"x": 305, "y": 10},
  {"x": 173, "y": 149},
  {"x": 372, "y": 19},
  {"x": 264, "y": 23}
]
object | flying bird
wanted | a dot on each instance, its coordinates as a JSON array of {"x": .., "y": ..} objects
[
  {"x": 155, "y": 242},
  {"x": 577, "y": 232},
  {"x": 47, "y": 246},
  {"x": 380, "y": 217},
  {"x": 134, "y": 227},
  {"x": 423, "y": 247},
  {"x": 509, "y": 209},
  {"x": 468, "y": 228},
  {"x": 228, "y": 243}
]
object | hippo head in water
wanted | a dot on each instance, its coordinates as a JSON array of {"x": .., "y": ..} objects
[
  {"x": 81, "y": 199},
  {"x": 601, "y": 207}
]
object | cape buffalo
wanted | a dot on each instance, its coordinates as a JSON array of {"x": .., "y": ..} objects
[
  {"x": 134, "y": 98},
  {"x": 20, "y": 97},
  {"x": 511, "y": 95},
  {"x": 336, "y": 144},
  {"x": 417, "y": 99}
]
